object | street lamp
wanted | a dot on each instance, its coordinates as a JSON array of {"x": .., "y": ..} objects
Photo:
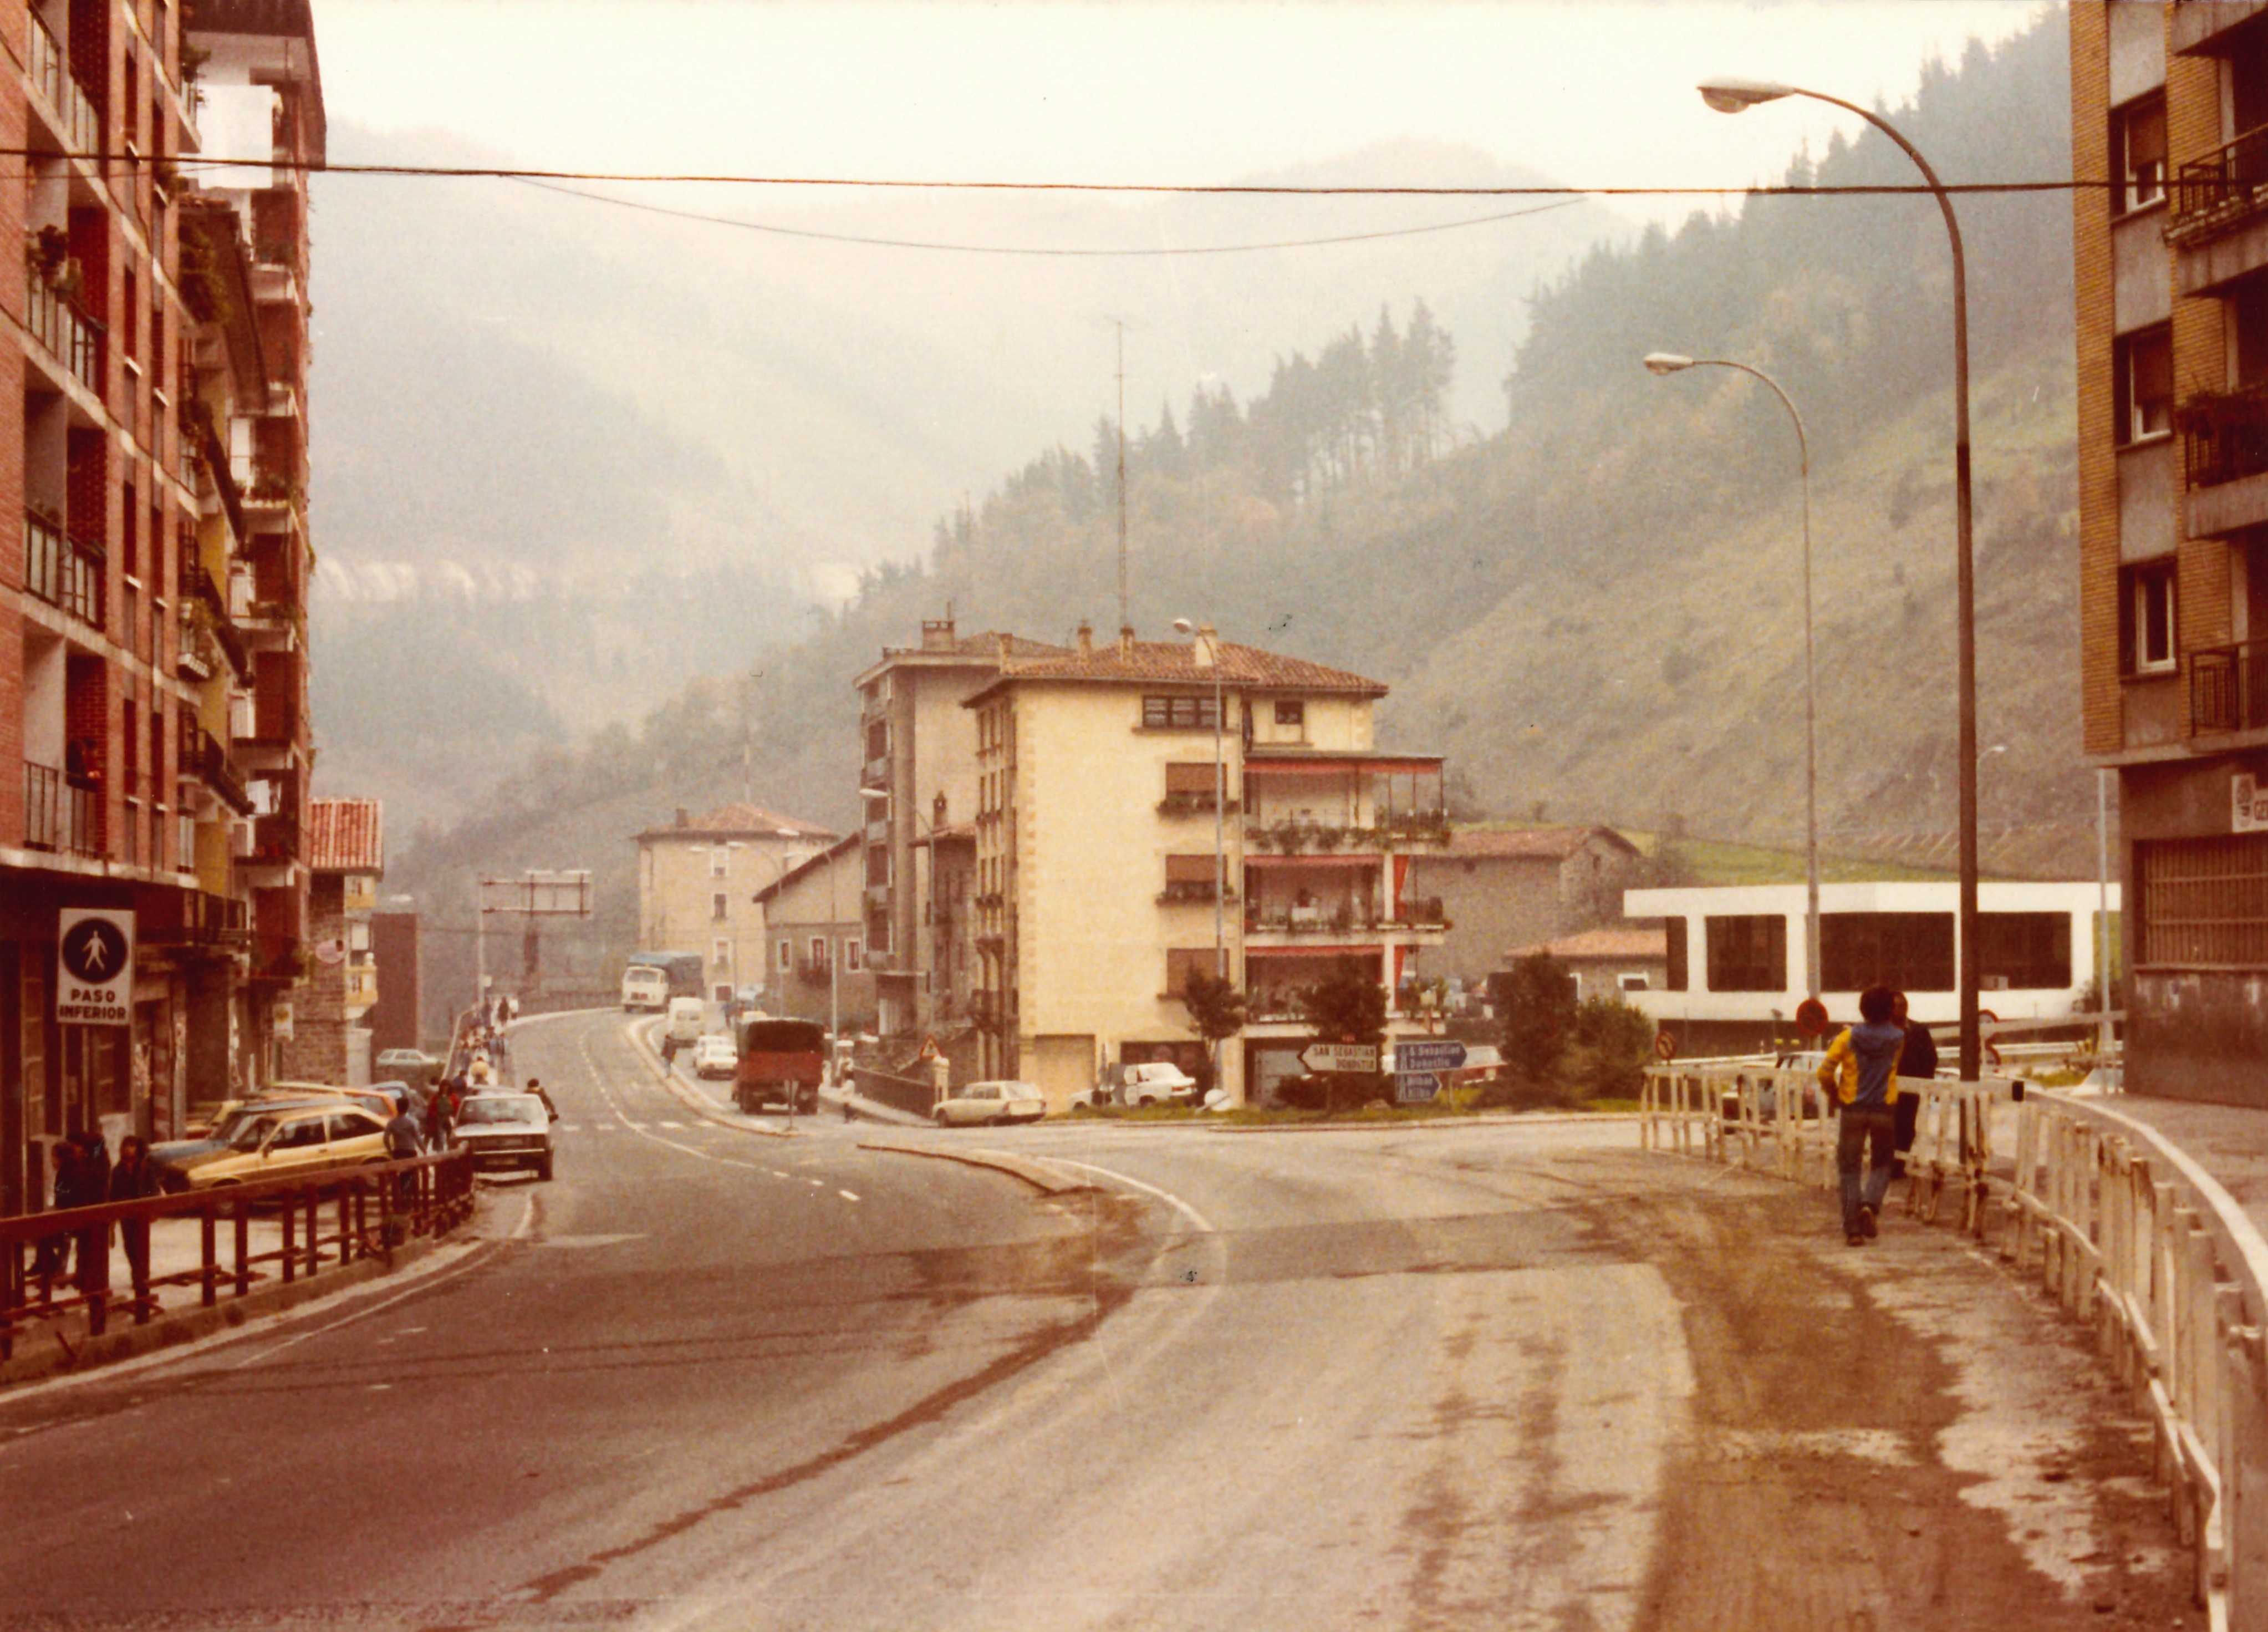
[
  {"x": 1182, "y": 625},
  {"x": 1733, "y": 96},
  {"x": 1671, "y": 363}
]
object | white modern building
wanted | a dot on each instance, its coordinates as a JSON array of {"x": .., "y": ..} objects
[{"x": 1737, "y": 953}]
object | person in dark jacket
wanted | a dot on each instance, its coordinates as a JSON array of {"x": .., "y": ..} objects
[
  {"x": 1920, "y": 1060},
  {"x": 53, "y": 1256},
  {"x": 1861, "y": 1071},
  {"x": 135, "y": 1180},
  {"x": 91, "y": 1187}
]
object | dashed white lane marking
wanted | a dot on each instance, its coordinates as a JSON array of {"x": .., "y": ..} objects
[
  {"x": 777, "y": 1174},
  {"x": 846, "y": 1196},
  {"x": 680, "y": 1126}
]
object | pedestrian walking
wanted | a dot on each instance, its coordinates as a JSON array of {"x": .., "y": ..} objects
[
  {"x": 1919, "y": 1059},
  {"x": 1861, "y": 1071},
  {"x": 52, "y": 1255},
  {"x": 535, "y": 1087},
  {"x": 134, "y": 1178},
  {"x": 440, "y": 1117},
  {"x": 91, "y": 1187},
  {"x": 402, "y": 1146}
]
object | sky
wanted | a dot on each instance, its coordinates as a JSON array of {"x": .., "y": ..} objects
[{"x": 1595, "y": 93}]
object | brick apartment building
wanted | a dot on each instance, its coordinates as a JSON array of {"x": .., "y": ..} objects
[
  {"x": 2169, "y": 103},
  {"x": 345, "y": 857},
  {"x": 154, "y": 731}
]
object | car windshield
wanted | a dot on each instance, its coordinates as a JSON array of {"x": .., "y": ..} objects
[
  {"x": 492, "y": 1109},
  {"x": 244, "y": 1132}
]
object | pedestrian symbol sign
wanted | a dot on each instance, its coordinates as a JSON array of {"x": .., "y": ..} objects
[{"x": 94, "y": 984}]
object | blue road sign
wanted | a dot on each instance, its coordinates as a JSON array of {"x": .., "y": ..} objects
[
  {"x": 1432, "y": 1054},
  {"x": 1415, "y": 1088}
]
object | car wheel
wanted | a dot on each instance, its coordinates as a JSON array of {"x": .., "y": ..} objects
[
  {"x": 543, "y": 1170},
  {"x": 938, "y": 1117}
]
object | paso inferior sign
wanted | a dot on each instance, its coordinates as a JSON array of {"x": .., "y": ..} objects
[
  {"x": 1340, "y": 1057},
  {"x": 94, "y": 974}
]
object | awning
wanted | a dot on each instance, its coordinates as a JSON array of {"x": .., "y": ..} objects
[
  {"x": 1251, "y": 951},
  {"x": 1255, "y": 765},
  {"x": 1361, "y": 858}
]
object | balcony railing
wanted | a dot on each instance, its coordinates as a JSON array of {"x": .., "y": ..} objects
[
  {"x": 2224, "y": 437},
  {"x": 65, "y": 574},
  {"x": 51, "y": 73},
  {"x": 58, "y": 816},
  {"x": 203, "y": 756},
  {"x": 2215, "y": 193},
  {"x": 75, "y": 338},
  {"x": 2228, "y": 688},
  {"x": 1184, "y": 891}
]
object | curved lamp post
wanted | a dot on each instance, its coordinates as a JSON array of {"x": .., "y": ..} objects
[
  {"x": 1733, "y": 96},
  {"x": 1671, "y": 363}
]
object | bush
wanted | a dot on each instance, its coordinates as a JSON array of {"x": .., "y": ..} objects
[
  {"x": 1538, "y": 995},
  {"x": 1613, "y": 1044}
]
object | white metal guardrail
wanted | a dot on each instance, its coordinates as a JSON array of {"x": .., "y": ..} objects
[{"x": 2124, "y": 1229}]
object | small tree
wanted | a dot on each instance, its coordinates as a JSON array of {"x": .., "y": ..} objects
[
  {"x": 1539, "y": 1022},
  {"x": 1346, "y": 1006},
  {"x": 1613, "y": 1044},
  {"x": 1216, "y": 1010}
]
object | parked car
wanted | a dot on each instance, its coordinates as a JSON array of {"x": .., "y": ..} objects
[
  {"x": 265, "y": 1140},
  {"x": 715, "y": 1056},
  {"x": 1158, "y": 1082},
  {"x": 511, "y": 1131},
  {"x": 990, "y": 1105},
  {"x": 412, "y": 1065}
]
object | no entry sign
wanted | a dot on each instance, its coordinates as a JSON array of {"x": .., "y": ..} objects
[{"x": 94, "y": 975}]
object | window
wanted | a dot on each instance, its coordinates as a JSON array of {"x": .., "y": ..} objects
[
  {"x": 717, "y": 863},
  {"x": 878, "y": 740},
  {"x": 1181, "y": 963},
  {"x": 1179, "y": 713},
  {"x": 1912, "y": 951},
  {"x": 1673, "y": 978},
  {"x": 1192, "y": 785},
  {"x": 853, "y": 956},
  {"x": 718, "y": 907},
  {"x": 2023, "y": 951},
  {"x": 2143, "y": 377},
  {"x": 2138, "y": 149},
  {"x": 818, "y": 950},
  {"x": 2204, "y": 901},
  {"x": 786, "y": 950},
  {"x": 722, "y": 991},
  {"x": 2146, "y": 623},
  {"x": 721, "y": 954},
  {"x": 1291, "y": 712},
  {"x": 1630, "y": 981},
  {"x": 1190, "y": 878},
  {"x": 1747, "y": 953}
]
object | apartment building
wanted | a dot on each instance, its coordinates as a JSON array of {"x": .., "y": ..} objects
[
  {"x": 1101, "y": 850},
  {"x": 816, "y": 967},
  {"x": 345, "y": 858},
  {"x": 917, "y": 778},
  {"x": 2170, "y": 104},
  {"x": 697, "y": 879},
  {"x": 155, "y": 708}
]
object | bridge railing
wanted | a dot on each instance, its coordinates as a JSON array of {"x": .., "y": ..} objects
[{"x": 2122, "y": 1227}]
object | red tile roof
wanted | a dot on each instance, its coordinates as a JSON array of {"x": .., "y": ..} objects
[
  {"x": 1544, "y": 844},
  {"x": 738, "y": 821},
  {"x": 1168, "y": 662},
  {"x": 346, "y": 836},
  {"x": 1602, "y": 945}
]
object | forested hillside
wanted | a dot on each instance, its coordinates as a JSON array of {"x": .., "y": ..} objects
[{"x": 1596, "y": 613}]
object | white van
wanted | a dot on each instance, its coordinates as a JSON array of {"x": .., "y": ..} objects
[
  {"x": 643, "y": 988},
  {"x": 688, "y": 1017}
]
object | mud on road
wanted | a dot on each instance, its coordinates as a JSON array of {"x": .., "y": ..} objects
[{"x": 1902, "y": 1435}]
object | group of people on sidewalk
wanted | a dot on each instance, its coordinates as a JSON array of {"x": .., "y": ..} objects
[
  {"x": 85, "y": 1175},
  {"x": 1860, "y": 1074}
]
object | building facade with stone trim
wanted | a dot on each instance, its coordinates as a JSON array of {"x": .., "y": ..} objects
[{"x": 698, "y": 881}]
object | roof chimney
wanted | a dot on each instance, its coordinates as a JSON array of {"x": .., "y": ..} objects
[
  {"x": 1085, "y": 639},
  {"x": 1205, "y": 651},
  {"x": 1125, "y": 639},
  {"x": 684, "y": 816},
  {"x": 936, "y": 634}
]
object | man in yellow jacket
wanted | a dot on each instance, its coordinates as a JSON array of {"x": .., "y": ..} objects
[{"x": 1861, "y": 1071}]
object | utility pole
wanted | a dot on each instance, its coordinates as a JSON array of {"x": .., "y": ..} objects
[{"x": 1123, "y": 619}]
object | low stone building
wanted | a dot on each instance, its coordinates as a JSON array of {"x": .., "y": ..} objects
[
  {"x": 815, "y": 948},
  {"x": 346, "y": 857},
  {"x": 1517, "y": 886},
  {"x": 1609, "y": 962}
]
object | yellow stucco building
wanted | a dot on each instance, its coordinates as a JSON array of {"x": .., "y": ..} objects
[
  {"x": 698, "y": 881},
  {"x": 1099, "y": 843}
]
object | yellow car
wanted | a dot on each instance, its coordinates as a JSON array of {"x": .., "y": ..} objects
[{"x": 257, "y": 1141}]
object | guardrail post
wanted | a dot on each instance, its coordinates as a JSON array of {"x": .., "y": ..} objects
[
  {"x": 2244, "y": 1481},
  {"x": 290, "y": 1219},
  {"x": 243, "y": 1222},
  {"x": 209, "y": 1281}
]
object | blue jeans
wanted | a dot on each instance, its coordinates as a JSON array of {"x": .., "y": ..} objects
[{"x": 1864, "y": 1126}]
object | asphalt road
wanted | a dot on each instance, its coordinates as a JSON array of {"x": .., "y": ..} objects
[{"x": 1520, "y": 1377}]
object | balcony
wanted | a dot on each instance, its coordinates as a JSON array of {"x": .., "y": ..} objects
[
  {"x": 2224, "y": 437},
  {"x": 58, "y": 816},
  {"x": 1180, "y": 804},
  {"x": 203, "y": 758},
  {"x": 81, "y": 124},
  {"x": 64, "y": 574},
  {"x": 74, "y": 339},
  {"x": 1399, "y": 831},
  {"x": 1190, "y": 892},
  {"x": 2222, "y": 192},
  {"x": 2228, "y": 689}
]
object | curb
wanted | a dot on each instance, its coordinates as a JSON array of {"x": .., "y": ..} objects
[
  {"x": 1048, "y": 1180},
  {"x": 691, "y": 1098},
  {"x": 126, "y": 1342},
  {"x": 1430, "y": 1125},
  {"x": 874, "y": 1111}
]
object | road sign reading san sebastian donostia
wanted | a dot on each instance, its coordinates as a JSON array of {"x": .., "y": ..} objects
[
  {"x": 94, "y": 972},
  {"x": 1340, "y": 1057}
]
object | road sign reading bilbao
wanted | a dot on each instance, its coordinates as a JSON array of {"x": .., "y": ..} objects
[
  {"x": 95, "y": 968},
  {"x": 1340, "y": 1057},
  {"x": 1431, "y": 1054},
  {"x": 1415, "y": 1088}
]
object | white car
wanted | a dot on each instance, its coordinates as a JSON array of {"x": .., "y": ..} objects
[
  {"x": 988, "y": 1104},
  {"x": 714, "y": 1055},
  {"x": 1158, "y": 1082},
  {"x": 507, "y": 1131}
]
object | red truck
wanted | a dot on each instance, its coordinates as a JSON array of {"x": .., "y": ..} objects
[{"x": 779, "y": 1058}]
